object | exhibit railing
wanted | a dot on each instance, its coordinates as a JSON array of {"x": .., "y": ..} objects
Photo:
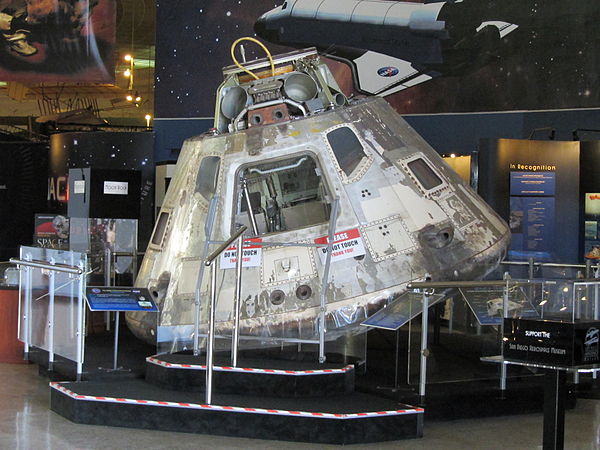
[
  {"x": 9, "y": 274},
  {"x": 209, "y": 262},
  {"x": 492, "y": 301},
  {"x": 533, "y": 269},
  {"x": 51, "y": 303}
]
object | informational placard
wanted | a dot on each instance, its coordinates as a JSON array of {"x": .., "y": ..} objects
[
  {"x": 116, "y": 187},
  {"x": 532, "y": 226},
  {"x": 487, "y": 304},
  {"x": 532, "y": 183},
  {"x": 400, "y": 311},
  {"x": 346, "y": 244},
  {"x": 51, "y": 231},
  {"x": 79, "y": 187},
  {"x": 558, "y": 343},
  {"x": 251, "y": 255},
  {"x": 119, "y": 299},
  {"x": 592, "y": 226}
]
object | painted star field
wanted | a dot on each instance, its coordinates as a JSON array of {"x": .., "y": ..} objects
[{"x": 549, "y": 62}]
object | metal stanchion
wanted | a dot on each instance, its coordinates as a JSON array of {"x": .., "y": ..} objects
[
  {"x": 210, "y": 262},
  {"x": 80, "y": 324},
  {"x": 51, "y": 286},
  {"x": 503, "y": 367},
  {"x": 237, "y": 300},
  {"x": 107, "y": 281},
  {"x": 28, "y": 295},
  {"x": 211, "y": 332},
  {"x": 323, "y": 296},
  {"x": 424, "y": 349},
  {"x": 208, "y": 226}
]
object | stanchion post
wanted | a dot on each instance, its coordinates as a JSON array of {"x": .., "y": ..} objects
[
  {"x": 211, "y": 332},
  {"x": 116, "y": 349},
  {"x": 80, "y": 325},
  {"x": 503, "y": 366},
  {"x": 323, "y": 296},
  {"x": 51, "y": 286},
  {"x": 107, "y": 280},
  {"x": 27, "y": 307},
  {"x": 424, "y": 349},
  {"x": 237, "y": 300},
  {"x": 208, "y": 226}
]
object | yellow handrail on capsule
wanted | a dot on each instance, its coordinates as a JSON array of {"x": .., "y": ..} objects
[{"x": 256, "y": 41}]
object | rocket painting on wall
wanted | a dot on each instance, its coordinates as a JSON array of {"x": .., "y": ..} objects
[{"x": 57, "y": 40}]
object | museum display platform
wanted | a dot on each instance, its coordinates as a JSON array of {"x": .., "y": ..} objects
[
  {"x": 340, "y": 419},
  {"x": 291, "y": 400},
  {"x": 284, "y": 395}
]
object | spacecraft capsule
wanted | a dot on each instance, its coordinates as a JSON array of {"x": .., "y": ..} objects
[{"x": 285, "y": 158}]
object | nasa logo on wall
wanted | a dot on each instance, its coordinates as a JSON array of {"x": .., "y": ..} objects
[{"x": 388, "y": 71}]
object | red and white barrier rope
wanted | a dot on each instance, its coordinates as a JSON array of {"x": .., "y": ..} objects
[{"x": 59, "y": 387}]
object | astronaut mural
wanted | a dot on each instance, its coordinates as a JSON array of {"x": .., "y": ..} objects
[{"x": 57, "y": 40}]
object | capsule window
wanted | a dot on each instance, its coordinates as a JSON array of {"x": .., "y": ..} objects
[
  {"x": 160, "y": 228},
  {"x": 424, "y": 174},
  {"x": 348, "y": 150},
  {"x": 208, "y": 174},
  {"x": 282, "y": 195}
]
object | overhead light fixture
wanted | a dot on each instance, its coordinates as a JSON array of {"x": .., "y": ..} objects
[{"x": 543, "y": 302}]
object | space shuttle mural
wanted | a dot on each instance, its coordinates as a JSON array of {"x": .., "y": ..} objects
[
  {"x": 290, "y": 155},
  {"x": 394, "y": 45}
]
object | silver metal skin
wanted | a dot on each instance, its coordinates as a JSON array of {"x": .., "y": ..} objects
[{"x": 410, "y": 222}]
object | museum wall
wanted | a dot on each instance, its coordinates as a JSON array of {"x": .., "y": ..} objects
[
  {"x": 23, "y": 190},
  {"x": 104, "y": 150}
]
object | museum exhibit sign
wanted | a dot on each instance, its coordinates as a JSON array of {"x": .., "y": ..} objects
[{"x": 552, "y": 342}]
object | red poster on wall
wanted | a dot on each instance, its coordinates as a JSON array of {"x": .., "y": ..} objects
[{"x": 57, "y": 40}]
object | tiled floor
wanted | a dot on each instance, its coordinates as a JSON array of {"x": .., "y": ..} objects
[{"x": 27, "y": 423}]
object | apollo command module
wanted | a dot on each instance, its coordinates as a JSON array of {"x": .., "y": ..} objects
[{"x": 287, "y": 150}]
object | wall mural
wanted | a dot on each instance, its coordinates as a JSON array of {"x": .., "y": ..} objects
[
  {"x": 57, "y": 40},
  {"x": 454, "y": 56}
]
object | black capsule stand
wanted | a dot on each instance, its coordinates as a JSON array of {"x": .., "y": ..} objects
[{"x": 555, "y": 397}]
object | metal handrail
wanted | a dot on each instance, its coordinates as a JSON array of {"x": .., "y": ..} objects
[
  {"x": 544, "y": 264},
  {"x": 26, "y": 281},
  {"x": 211, "y": 320},
  {"x": 224, "y": 246},
  {"x": 213, "y": 302},
  {"x": 41, "y": 265},
  {"x": 459, "y": 284}
]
